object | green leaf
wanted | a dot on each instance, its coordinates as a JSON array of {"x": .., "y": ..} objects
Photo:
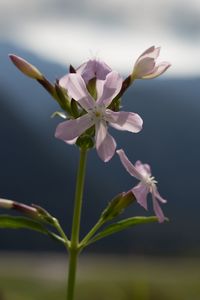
[
  {"x": 121, "y": 225},
  {"x": 12, "y": 222}
]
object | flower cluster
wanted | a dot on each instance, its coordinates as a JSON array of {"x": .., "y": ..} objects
[{"x": 90, "y": 96}]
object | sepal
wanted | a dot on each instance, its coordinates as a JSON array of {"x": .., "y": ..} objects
[
  {"x": 63, "y": 98},
  {"x": 85, "y": 142}
]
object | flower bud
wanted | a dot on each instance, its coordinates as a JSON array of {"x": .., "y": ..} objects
[
  {"x": 8, "y": 204},
  {"x": 117, "y": 205},
  {"x": 25, "y": 67},
  {"x": 146, "y": 67},
  {"x": 25, "y": 209}
]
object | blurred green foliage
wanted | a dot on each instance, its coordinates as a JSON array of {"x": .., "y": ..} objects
[{"x": 105, "y": 279}]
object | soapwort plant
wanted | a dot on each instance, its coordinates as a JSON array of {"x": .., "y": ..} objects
[{"x": 90, "y": 97}]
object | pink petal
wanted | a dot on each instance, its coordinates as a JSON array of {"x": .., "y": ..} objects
[
  {"x": 77, "y": 90},
  {"x": 102, "y": 70},
  {"x": 157, "y": 209},
  {"x": 64, "y": 81},
  {"x": 111, "y": 87},
  {"x": 105, "y": 143},
  {"x": 141, "y": 191},
  {"x": 143, "y": 169},
  {"x": 93, "y": 68},
  {"x": 99, "y": 87},
  {"x": 151, "y": 52},
  {"x": 130, "y": 168},
  {"x": 124, "y": 120},
  {"x": 144, "y": 67},
  {"x": 72, "y": 142},
  {"x": 158, "y": 70},
  {"x": 71, "y": 129},
  {"x": 158, "y": 196}
]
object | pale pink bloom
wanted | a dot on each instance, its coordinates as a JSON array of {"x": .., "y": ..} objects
[
  {"x": 91, "y": 69},
  {"x": 146, "y": 185},
  {"x": 98, "y": 114},
  {"x": 146, "y": 67}
]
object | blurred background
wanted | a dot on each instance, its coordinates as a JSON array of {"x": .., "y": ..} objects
[{"x": 37, "y": 168}]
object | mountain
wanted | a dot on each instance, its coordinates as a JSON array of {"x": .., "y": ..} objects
[{"x": 37, "y": 168}]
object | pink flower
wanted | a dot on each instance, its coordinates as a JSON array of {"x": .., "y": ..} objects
[
  {"x": 91, "y": 69},
  {"x": 146, "y": 185},
  {"x": 145, "y": 66},
  {"x": 98, "y": 114}
]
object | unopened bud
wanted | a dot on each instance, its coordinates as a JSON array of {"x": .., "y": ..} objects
[
  {"x": 25, "y": 67},
  {"x": 26, "y": 209},
  {"x": 117, "y": 205},
  {"x": 8, "y": 204}
]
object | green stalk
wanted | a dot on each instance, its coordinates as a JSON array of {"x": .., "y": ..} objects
[
  {"x": 74, "y": 247},
  {"x": 91, "y": 233}
]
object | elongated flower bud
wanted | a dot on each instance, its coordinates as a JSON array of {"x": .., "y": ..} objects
[
  {"x": 117, "y": 205},
  {"x": 8, "y": 204},
  {"x": 26, "y": 209},
  {"x": 25, "y": 67}
]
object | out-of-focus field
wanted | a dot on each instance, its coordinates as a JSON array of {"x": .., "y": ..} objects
[{"x": 42, "y": 276}]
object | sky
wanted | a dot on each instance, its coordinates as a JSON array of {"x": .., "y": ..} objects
[{"x": 115, "y": 31}]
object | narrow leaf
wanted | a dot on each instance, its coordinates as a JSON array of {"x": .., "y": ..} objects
[
  {"x": 12, "y": 222},
  {"x": 121, "y": 225}
]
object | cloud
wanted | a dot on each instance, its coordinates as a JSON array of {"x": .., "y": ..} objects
[{"x": 116, "y": 31}]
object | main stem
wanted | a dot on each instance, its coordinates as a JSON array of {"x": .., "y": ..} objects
[{"x": 74, "y": 250}]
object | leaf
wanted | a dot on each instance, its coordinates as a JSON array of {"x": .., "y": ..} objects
[
  {"x": 12, "y": 222},
  {"x": 121, "y": 225}
]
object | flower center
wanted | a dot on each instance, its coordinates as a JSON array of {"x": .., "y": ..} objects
[
  {"x": 150, "y": 181},
  {"x": 97, "y": 113}
]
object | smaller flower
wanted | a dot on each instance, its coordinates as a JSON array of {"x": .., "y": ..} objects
[
  {"x": 146, "y": 185},
  {"x": 145, "y": 66},
  {"x": 26, "y": 68}
]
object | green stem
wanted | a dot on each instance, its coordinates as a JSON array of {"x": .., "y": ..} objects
[
  {"x": 62, "y": 233},
  {"x": 91, "y": 233},
  {"x": 73, "y": 258},
  {"x": 74, "y": 247}
]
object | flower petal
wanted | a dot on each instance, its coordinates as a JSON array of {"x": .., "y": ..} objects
[
  {"x": 143, "y": 67},
  {"x": 105, "y": 143},
  {"x": 158, "y": 196},
  {"x": 157, "y": 209},
  {"x": 158, "y": 70},
  {"x": 93, "y": 68},
  {"x": 124, "y": 120},
  {"x": 77, "y": 90},
  {"x": 111, "y": 87},
  {"x": 63, "y": 81},
  {"x": 71, "y": 129},
  {"x": 143, "y": 169},
  {"x": 71, "y": 142},
  {"x": 151, "y": 52},
  {"x": 141, "y": 191},
  {"x": 130, "y": 168}
]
